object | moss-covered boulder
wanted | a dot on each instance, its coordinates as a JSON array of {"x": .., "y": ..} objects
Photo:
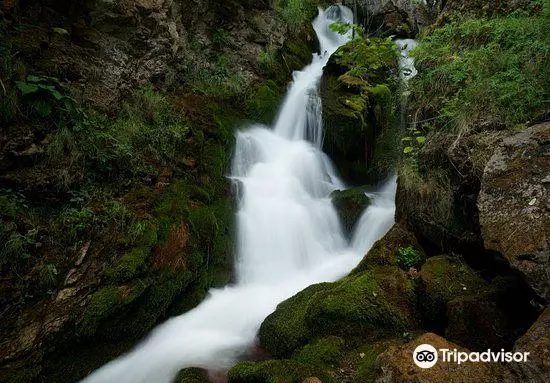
[
  {"x": 444, "y": 279},
  {"x": 357, "y": 90},
  {"x": 398, "y": 247},
  {"x": 493, "y": 318},
  {"x": 285, "y": 330},
  {"x": 275, "y": 371},
  {"x": 350, "y": 204},
  {"x": 323, "y": 352},
  {"x": 371, "y": 304},
  {"x": 192, "y": 375}
]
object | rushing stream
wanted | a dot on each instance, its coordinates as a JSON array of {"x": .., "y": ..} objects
[{"x": 289, "y": 235}]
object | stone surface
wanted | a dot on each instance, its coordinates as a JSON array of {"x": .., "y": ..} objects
[
  {"x": 396, "y": 366},
  {"x": 514, "y": 205},
  {"x": 537, "y": 342}
]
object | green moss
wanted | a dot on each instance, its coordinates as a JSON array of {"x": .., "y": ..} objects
[
  {"x": 385, "y": 252},
  {"x": 263, "y": 102},
  {"x": 103, "y": 303},
  {"x": 192, "y": 375},
  {"x": 130, "y": 265},
  {"x": 274, "y": 371},
  {"x": 372, "y": 303},
  {"x": 358, "y": 109},
  {"x": 324, "y": 352},
  {"x": 445, "y": 278},
  {"x": 350, "y": 204},
  {"x": 285, "y": 329}
]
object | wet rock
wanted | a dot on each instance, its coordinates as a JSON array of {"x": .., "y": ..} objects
[
  {"x": 396, "y": 366},
  {"x": 514, "y": 208},
  {"x": 350, "y": 204}
]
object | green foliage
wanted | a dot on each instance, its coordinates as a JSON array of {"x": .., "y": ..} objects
[
  {"x": 296, "y": 13},
  {"x": 343, "y": 28},
  {"x": 408, "y": 257},
  {"x": 268, "y": 57},
  {"x": 221, "y": 38},
  {"x": 490, "y": 70},
  {"x": 220, "y": 83}
]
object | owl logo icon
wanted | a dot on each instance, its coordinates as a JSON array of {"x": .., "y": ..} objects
[{"x": 425, "y": 356}]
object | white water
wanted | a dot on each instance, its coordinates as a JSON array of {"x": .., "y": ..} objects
[{"x": 289, "y": 236}]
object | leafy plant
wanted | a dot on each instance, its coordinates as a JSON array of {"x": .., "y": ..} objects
[{"x": 408, "y": 257}]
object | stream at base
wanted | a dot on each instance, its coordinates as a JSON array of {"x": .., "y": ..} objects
[{"x": 288, "y": 234}]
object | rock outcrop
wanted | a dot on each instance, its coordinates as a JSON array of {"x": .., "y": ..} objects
[
  {"x": 396, "y": 366},
  {"x": 537, "y": 342},
  {"x": 514, "y": 207}
]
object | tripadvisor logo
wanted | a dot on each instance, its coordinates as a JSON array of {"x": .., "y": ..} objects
[{"x": 426, "y": 356}]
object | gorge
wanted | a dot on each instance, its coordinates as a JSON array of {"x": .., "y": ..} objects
[{"x": 270, "y": 191}]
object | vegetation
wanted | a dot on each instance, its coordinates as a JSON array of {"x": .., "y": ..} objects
[
  {"x": 408, "y": 257},
  {"x": 490, "y": 71}
]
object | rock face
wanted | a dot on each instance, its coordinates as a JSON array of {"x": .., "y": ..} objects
[
  {"x": 399, "y": 17},
  {"x": 396, "y": 366},
  {"x": 537, "y": 342},
  {"x": 514, "y": 205}
]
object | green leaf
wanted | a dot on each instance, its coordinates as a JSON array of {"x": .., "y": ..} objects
[
  {"x": 405, "y": 139},
  {"x": 26, "y": 88},
  {"x": 60, "y": 31},
  {"x": 420, "y": 139},
  {"x": 32, "y": 78},
  {"x": 58, "y": 96},
  {"x": 43, "y": 108},
  {"x": 408, "y": 149}
]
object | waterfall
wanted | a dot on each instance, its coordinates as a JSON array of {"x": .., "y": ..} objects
[{"x": 289, "y": 235}]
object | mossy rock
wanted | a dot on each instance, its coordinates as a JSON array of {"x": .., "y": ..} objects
[
  {"x": 130, "y": 265},
  {"x": 388, "y": 250},
  {"x": 357, "y": 91},
  {"x": 350, "y": 204},
  {"x": 275, "y": 371},
  {"x": 444, "y": 279},
  {"x": 263, "y": 103},
  {"x": 285, "y": 329},
  {"x": 370, "y": 304},
  {"x": 103, "y": 304},
  {"x": 192, "y": 375},
  {"x": 323, "y": 352}
]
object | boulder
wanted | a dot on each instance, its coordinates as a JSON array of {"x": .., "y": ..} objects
[
  {"x": 396, "y": 366},
  {"x": 275, "y": 371},
  {"x": 285, "y": 330},
  {"x": 376, "y": 303},
  {"x": 537, "y": 342},
  {"x": 443, "y": 279},
  {"x": 350, "y": 204},
  {"x": 514, "y": 207},
  {"x": 398, "y": 247}
]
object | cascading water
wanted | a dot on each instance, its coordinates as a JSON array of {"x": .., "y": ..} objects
[{"x": 289, "y": 235}]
